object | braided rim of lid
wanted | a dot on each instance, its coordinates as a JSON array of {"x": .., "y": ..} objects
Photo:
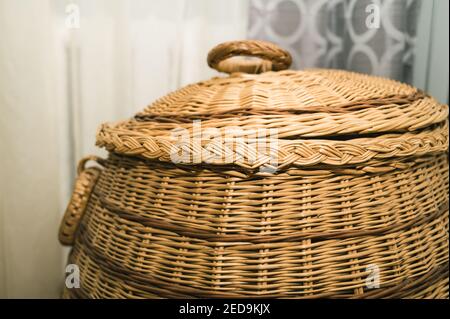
[
  {"x": 299, "y": 152},
  {"x": 406, "y": 121}
]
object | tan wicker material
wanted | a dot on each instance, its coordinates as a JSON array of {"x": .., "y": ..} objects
[
  {"x": 87, "y": 177},
  {"x": 290, "y": 152},
  {"x": 271, "y": 57},
  {"x": 360, "y": 183}
]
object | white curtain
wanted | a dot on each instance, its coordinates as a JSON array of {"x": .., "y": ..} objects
[{"x": 66, "y": 67}]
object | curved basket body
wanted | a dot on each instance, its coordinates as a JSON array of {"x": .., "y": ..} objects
[{"x": 157, "y": 230}]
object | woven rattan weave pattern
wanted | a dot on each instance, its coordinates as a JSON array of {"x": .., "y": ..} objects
[
  {"x": 285, "y": 206},
  {"x": 360, "y": 184},
  {"x": 289, "y": 152}
]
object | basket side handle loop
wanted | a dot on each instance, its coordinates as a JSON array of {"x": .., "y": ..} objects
[
  {"x": 82, "y": 163},
  {"x": 84, "y": 185}
]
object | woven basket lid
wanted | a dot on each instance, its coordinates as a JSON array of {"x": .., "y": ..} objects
[{"x": 305, "y": 118}]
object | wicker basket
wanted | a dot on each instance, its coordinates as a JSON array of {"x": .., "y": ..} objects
[{"x": 267, "y": 183}]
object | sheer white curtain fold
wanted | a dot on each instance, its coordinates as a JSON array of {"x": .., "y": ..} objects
[{"x": 58, "y": 82}]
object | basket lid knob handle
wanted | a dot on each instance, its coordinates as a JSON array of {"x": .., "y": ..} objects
[{"x": 249, "y": 56}]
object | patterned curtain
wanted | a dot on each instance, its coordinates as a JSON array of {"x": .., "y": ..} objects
[{"x": 374, "y": 37}]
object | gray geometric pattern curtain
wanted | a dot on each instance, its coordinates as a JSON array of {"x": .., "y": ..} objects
[{"x": 336, "y": 34}]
